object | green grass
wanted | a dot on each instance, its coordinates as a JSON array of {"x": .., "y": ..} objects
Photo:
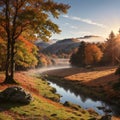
[
  {"x": 45, "y": 90},
  {"x": 43, "y": 109},
  {"x": 4, "y": 116}
]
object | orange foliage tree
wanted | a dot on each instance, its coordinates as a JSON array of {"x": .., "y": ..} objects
[
  {"x": 87, "y": 54},
  {"x": 26, "y": 54},
  {"x": 93, "y": 54},
  {"x": 29, "y": 18}
]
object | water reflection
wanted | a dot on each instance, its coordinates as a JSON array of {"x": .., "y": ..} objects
[{"x": 84, "y": 101}]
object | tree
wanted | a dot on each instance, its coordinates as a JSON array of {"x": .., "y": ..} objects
[
  {"x": 87, "y": 54},
  {"x": 29, "y": 18},
  {"x": 26, "y": 54},
  {"x": 2, "y": 54},
  {"x": 78, "y": 58},
  {"x": 93, "y": 54},
  {"x": 112, "y": 49}
]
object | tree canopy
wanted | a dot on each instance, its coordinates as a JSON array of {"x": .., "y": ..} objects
[
  {"x": 27, "y": 18},
  {"x": 87, "y": 54}
]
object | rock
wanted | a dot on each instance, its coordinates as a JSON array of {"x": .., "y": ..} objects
[
  {"x": 15, "y": 94},
  {"x": 106, "y": 117},
  {"x": 71, "y": 105}
]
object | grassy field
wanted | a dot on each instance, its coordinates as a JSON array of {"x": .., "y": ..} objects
[{"x": 43, "y": 107}]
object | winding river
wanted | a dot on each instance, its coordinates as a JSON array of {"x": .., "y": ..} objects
[{"x": 84, "y": 101}]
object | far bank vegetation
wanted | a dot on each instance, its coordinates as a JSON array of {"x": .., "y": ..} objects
[{"x": 98, "y": 54}]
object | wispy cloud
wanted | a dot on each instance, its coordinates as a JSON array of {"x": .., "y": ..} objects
[
  {"x": 88, "y": 21},
  {"x": 80, "y": 33},
  {"x": 71, "y": 26}
]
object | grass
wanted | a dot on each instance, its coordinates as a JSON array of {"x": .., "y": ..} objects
[
  {"x": 45, "y": 90},
  {"x": 3, "y": 116},
  {"x": 41, "y": 108}
]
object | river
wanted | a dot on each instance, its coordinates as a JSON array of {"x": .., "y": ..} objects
[{"x": 84, "y": 101}]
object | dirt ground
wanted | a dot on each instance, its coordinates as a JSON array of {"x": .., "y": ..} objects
[{"x": 93, "y": 77}]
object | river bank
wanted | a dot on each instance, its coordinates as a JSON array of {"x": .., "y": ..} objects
[{"x": 96, "y": 84}]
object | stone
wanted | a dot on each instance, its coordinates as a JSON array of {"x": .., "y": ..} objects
[{"x": 15, "y": 94}]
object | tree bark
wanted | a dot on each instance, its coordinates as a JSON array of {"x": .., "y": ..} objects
[
  {"x": 9, "y": 75},
  {"x": 12, "y": 59},
  {"x": 10, "y": 47}
]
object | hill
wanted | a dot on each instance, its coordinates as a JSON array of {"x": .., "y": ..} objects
[
  {"x": 42, "y": 44},
  {"x": 65, "y": 46},
  {"x": 68, "y": 46}
]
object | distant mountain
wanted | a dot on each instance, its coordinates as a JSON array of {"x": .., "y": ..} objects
[
  {"x": 43, "y": 45},
  {"x": 62, "y": 46}
]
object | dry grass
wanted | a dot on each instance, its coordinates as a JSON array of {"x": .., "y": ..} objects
[{"x": 97, "y": 76}]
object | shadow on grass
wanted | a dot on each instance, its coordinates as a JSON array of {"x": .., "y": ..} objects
[
  {"x": 104, "y": 80},
  {"x": 4, "y": 106}
]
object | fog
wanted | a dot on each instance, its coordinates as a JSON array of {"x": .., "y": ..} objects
[
  {"x": 44, "y": 69},
  {"x": 59, "y": 64}
]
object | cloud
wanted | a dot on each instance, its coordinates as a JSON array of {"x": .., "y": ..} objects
[
  {"x": 80, "y": 33},
  {"x": 88, "y": 21},
  {"x": 67, "y": 24},
  {"x": 71, "y": 26}
]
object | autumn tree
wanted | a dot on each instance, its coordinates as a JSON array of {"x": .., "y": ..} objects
[
  {"x": 27, "y": 18},
  {"x": 2, "y": 54},
  {"x": 44, "y": 60},
  {"x": 93, "y": 54},
  {"x": 87, "y": 54},
  {"x": 26, "y": 54},
  {"x": 110, "y": 52}
]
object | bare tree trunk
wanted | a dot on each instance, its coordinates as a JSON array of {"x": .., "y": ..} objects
[
  {"x": 12, "y": 59},
  {"x": 7, "y": 62},
  {"x": 10, "y": 64}
]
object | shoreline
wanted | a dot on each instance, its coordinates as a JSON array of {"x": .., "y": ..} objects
[{"x": 96, "y": 92}]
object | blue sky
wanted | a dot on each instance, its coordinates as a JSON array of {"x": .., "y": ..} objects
[{"x": 89, "y": 17}]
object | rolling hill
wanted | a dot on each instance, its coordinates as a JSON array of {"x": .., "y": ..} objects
[{"x": 68, "y": 46}]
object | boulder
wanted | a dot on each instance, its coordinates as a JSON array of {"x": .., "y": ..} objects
[{"x": 15, "y": 94}]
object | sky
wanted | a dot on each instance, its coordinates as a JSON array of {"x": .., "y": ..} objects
[{"x": 88, "y": 17}]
